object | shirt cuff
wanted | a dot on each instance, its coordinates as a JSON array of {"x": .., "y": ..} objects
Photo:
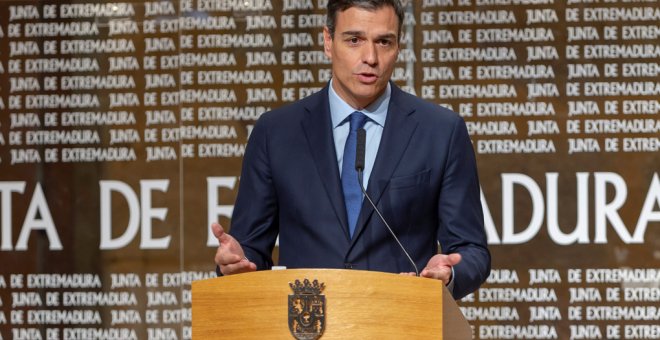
[{"x": 450, "y": 284}]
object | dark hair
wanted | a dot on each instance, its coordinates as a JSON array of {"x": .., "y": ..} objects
[{"x": 335, "y": 6}]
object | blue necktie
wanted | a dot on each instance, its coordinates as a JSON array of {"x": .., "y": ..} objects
[{"x": 349, "y": 178}]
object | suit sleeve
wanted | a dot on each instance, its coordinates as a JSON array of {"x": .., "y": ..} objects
[
  {"x": 460, "y": 214},
  {"x": 254, "y": 221}
]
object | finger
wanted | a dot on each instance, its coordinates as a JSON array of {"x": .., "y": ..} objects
[
  {"x": 239, "y": 267},
  {"x": 217, "y": 230},
  {"x": 219, "y": 233},
  {"x": 454, "y": 259},
  {"x": 438, "y": 274},
  {"x": 226, "y": 258}
]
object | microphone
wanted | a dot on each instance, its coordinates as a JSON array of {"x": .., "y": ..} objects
[{"x": 359, "y": 167}]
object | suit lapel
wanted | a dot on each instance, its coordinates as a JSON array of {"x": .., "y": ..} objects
[
  {"x": 398, "y": 131},
  {"x": 317, "y": 126}
]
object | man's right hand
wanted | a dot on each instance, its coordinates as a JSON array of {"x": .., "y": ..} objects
[{"x": 230, "y": 256}]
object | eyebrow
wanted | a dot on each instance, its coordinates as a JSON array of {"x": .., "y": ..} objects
[{"x": 362, "y": 33}]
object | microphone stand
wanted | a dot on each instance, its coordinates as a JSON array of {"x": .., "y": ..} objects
[{"x": 359, "y": 167}]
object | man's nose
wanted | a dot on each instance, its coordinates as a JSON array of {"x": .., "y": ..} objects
[{"x": 370, "y": 54}]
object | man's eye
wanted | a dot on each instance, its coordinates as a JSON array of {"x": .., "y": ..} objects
[{"x": 354, "y": 40}]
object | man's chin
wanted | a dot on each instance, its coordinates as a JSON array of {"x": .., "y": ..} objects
[
  {"x": 370, "y": 91},
  {"x": 365, "y": 99}
]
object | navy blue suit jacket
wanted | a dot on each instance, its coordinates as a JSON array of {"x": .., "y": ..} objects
[{"x": 424, "y": 181}]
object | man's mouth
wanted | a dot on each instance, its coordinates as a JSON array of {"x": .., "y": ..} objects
[{"x": 367, "y": 78}]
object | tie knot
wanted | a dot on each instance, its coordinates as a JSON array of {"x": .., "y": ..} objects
[{"x": 357, "y": 120}]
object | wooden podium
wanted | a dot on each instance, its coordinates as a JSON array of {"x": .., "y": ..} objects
[{"x": 358, "y": 305}]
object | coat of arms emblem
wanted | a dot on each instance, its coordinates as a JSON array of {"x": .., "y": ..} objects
[{"x": 307, "y": 310}]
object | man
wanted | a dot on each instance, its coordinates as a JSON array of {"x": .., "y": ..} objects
[{"x": 420, "y": 171}]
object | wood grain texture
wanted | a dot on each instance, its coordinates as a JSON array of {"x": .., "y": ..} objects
[{"x": 359, "y": 305}]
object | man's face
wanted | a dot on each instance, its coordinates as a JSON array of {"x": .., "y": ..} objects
[{"x": 363, "y": 52}]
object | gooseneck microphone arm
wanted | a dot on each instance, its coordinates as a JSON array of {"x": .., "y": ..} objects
[{"x": 359, "y": 167}]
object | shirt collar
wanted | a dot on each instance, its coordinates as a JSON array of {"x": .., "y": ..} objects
[{"x": 376, "y": 111}]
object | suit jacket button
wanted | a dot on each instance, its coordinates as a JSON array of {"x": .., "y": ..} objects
[{"x": 348, "y": 265}]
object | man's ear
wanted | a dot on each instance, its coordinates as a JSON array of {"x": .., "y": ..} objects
[{"x": 327, "y": 42}]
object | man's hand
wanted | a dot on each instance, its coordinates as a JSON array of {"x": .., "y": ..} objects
[
  {"x": 230, "y": 256},
  {"x": 439, "y": 267}
]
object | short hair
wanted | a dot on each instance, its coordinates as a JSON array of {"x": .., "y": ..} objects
[{"x": 335, "y": 6}]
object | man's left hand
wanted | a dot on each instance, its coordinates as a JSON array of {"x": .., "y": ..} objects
[{"x": 439, "y": 267}]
